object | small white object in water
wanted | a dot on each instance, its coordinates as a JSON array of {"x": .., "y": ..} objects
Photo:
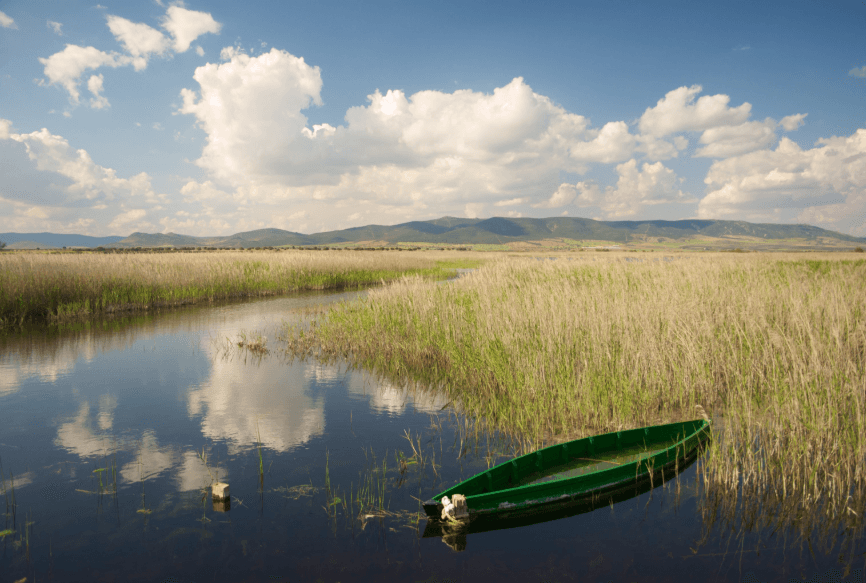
[{"x": 220, "y": 491}]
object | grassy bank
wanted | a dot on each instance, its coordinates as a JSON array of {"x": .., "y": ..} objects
[
  {"x": 774, "y": 347},
  {"x": 49, "y": 287}
]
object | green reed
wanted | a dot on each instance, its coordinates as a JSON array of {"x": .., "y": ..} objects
[
  {"x": 98, "y": 472},
  {"x": 114, "y": 469},
  {"x": 259, "y": 449},
  {"x": 144, "y": 509},
  {"x": 368, "y": 497}
]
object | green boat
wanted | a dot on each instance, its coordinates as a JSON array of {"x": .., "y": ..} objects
[
  {"x": 577, "y": 469},
  {"x": 455, "y": 533}
]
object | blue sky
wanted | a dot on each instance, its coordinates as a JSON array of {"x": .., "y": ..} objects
[{"x": 210, "y": 118}]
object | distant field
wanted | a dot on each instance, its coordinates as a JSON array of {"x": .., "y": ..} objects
[
  {"x": 654, "y": 243},
  {"x": 742, "y": 242},
  {"x": 20, "y": 245}
]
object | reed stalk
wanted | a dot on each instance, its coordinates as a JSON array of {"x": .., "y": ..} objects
[
  {"x": 13, "y": 505},
  {"x": 144, "y": 509},
  {"x": 259, "y": 449},
  {"x": 3, "y": 482}
]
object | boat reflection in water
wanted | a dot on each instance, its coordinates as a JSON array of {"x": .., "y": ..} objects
[{"x": 454, "y": 533}]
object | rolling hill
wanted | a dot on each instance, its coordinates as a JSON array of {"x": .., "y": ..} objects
[
  {"x": 504, "y": 231},
  {"x": 498, "y": 231}
]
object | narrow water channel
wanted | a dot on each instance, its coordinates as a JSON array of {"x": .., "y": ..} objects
[{"x": 111, "y": 433}]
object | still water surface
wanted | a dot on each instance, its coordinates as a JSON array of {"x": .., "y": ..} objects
[{"x": 140, "y": 401}]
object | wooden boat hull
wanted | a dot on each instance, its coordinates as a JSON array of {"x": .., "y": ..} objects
[
  {"x": 514, "y": 485},
  {"x": 455, "y": 533}
]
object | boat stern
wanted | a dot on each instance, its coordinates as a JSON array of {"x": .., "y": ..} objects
[{"x": 433, "y": 508}]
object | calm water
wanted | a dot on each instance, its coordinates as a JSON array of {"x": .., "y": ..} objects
[{"x": 140, "y": 400}]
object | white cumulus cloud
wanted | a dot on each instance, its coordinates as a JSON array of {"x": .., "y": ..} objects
[
  {"x": 512, "y": 201},
  {"x": 123, "y": 219},
  {"x": 473, "y": 210},
  {"x": 826, "y": 182},
  {"x": 858, "y": 72},
  {"x": 791, "y": 122},
  {"x": 657, "y": 149},
  {"x": 679, "y": 112},
  {"x": 613, "y": 143},
  {"x": 89, "y": 180},
  {"x": 57, "y": 27},
  {"x": 66, "y": 67},
  {"x": 139, "y": 40},
  {"x": 564, "y": 195},
  {"x": 201, "y": 191},
  {"x": 187, "y": 25},
  {"x": 250, "y": 108},
  {"x": 94, "y": 85},
  {"x": 727, "y": 141},
  {"x": 651, "y": 184},
  {"x": 7, "y": 21},
  {"x": 398, "y": 151},
  {"x": 87, "y": 198}
]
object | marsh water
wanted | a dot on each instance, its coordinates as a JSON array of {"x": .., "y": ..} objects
[{"x": 112, "y": 432}]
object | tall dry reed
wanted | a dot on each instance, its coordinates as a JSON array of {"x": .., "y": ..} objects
[
  {"x": 773, "y": 345},
  {"x": 57, "y": 286}
]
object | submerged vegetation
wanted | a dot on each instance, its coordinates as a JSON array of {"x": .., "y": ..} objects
[
  {"x": 57, "y": 287},
  {"x": 774, "y": 348}
]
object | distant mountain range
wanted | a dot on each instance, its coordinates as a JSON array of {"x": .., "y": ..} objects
[{"x": 457, "y": 231}]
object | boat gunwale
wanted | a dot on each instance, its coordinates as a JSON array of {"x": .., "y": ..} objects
[{"x": 642, "y": 467}]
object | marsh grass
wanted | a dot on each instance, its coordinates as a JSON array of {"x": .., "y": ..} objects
[
  {"x": 391, "y": 495},
  {"x": 370, "y": 499},
  {"x": 773, "y": 346},
  {"x": 255, "y": 343},
  {"x": 46, "y": 288}
]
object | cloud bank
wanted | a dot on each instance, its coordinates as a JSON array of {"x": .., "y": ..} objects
[{"x": 265, "y": 162}]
